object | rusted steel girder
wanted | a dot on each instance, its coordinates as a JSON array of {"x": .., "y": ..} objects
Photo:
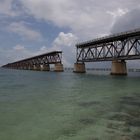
[
  {"x": 123, "y": 46},
  {"x": 54, "y": 57}
]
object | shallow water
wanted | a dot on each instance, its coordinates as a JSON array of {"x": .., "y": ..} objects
[{"x": 68, "y": 106}]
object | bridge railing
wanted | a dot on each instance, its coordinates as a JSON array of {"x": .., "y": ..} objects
[{"x": 125, "y": 46}]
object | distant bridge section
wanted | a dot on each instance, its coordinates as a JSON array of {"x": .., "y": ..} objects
[
  {"x": 40, "y": 62},
  {"x": 116, "y": 48}
]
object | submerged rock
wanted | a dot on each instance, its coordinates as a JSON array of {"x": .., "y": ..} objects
[
  {"x": 93, "y": 139},
  {"x": 120, "y": 116},
  {"x": 87, "y": 121},
  {"x": 134, "y": 103},
  {"x": 69, "y": 132},
  {"x": 136, "y": 135},
  {"x": 134, "y": 122},
  {"x": 126, "y": 138},
  {"x": 131, "y": 100},
  {"x": 89, "y": 104}
]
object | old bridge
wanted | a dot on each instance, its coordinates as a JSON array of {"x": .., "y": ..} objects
[
  {"x": 116, "y": 48},
  {"x": 40, "y": 62}
]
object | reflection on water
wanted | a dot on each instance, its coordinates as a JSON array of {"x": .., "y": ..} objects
[{"x": 68, "y": 106}]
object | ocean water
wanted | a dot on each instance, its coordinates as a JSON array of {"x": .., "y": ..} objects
[{"x": 68, "y": 106}]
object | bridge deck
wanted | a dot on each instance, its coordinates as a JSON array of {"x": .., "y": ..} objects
[
  {"x": 46, "y": 58},
  {"x": 110, "y": 38},
  {"x": 121, "y": 46},
  {"x": 40, "y": 56}
]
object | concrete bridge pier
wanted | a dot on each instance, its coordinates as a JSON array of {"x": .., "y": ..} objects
[
  {"x": 58, "y": 67},
  {"x": 20, "y": 67},
  {"x": 31, "y": 67},
  {"x": 37, "y": 67},
  {"x": 118, "y": 67},
  {"x": 79, "y": 68},
  {"x": 45, "y": 67},
  {"x": 24, "y": 67}
]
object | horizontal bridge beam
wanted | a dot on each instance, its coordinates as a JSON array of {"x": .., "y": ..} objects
[
  {"x": 110, "y": 38},
  {"x": 127, "y": 48},
  {"x": 54, "y": 57}
]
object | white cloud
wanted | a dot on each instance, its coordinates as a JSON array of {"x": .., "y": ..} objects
[
  {"x": 18, "y": 52},
  {"x": 19, "y": 47},
  {"x": 6, "y": 8},
  {"x": 65, "y": 42},
  {"x": 43, "y": 48},
  {"x": 65, "y": 39},
  {"x": 86, "y": 19},
  {"x": 119, "y": 12},
  {"x": 127, "y": 21},
  {"x": 25, "y": 32}
]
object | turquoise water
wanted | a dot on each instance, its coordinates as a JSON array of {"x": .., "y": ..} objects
[{"x": 68, "y": 106}]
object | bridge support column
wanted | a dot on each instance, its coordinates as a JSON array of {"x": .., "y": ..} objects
[
  {"x": 37, "y": 67},
  {"x": 79, "y": 68},
  {"x": 24, "y": 67},
  {"x": 58, "y": 67},
  {"x": 45, "y": 67},
  {"x": 118, "y": 68},
  {"x": 31, "y": 67}
]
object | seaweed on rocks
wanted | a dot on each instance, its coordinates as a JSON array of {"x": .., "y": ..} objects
[
  {"x": 87, "y": 121},
  {"x": 134, "y": 122},
  {"x": 89, "y": 104},
  {"x": 120, "y": 116},
  {"x": 130, "y": 100},
  {"x": 93, "y": 139},
  {"x": 136, "y": 135},
  {"x": 125, "y": 120}
]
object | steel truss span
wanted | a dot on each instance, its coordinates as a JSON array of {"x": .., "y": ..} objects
[
  {"x": 123, "y": 46},
  {"x": 54, "y": 57}
]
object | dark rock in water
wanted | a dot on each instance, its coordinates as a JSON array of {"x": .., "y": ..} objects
[
  {"x": 136, "y": 135},
  {"x": 126, "y": 118},
  {"x": 127, "y": 129},
  {"x": 134, "y": 112},
  {"x": 87, "y": 121},
  {"x": 113, "y": 126},
  {"x": 69, "y": 132},
  {"x": 89, "y": 104},
  {"x": 110, "y": 131},
  {"x": 120, "y": 117},
  {"x": 134, "y": 103},
  {"x": 126, "y": 138},
  {"x": 129, "y": 100},
  {"x": 134, "y": 122},
  {"x": 93, "y": 139}
]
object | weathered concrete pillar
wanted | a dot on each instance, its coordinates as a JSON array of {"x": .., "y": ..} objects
[
  {"x": 25, "y": 67},
  {"x": 118, "y": 67},
  {"x": 31, "y": 67},
  {"x": 79, "y": 68},
  {"x": 58, "y": 67},
  {"x": 37, "y": 67},
  {"x": 19, "y": 67},
  {"x": 45, "y": 67}
]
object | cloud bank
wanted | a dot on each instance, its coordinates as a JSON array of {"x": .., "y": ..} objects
[{"x": 84, "y": 20}]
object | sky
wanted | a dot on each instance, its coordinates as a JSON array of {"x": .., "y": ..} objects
[{"x": 33, "y": 27}]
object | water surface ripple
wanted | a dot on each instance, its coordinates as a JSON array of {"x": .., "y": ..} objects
[{"x": 68, "y": 106}]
